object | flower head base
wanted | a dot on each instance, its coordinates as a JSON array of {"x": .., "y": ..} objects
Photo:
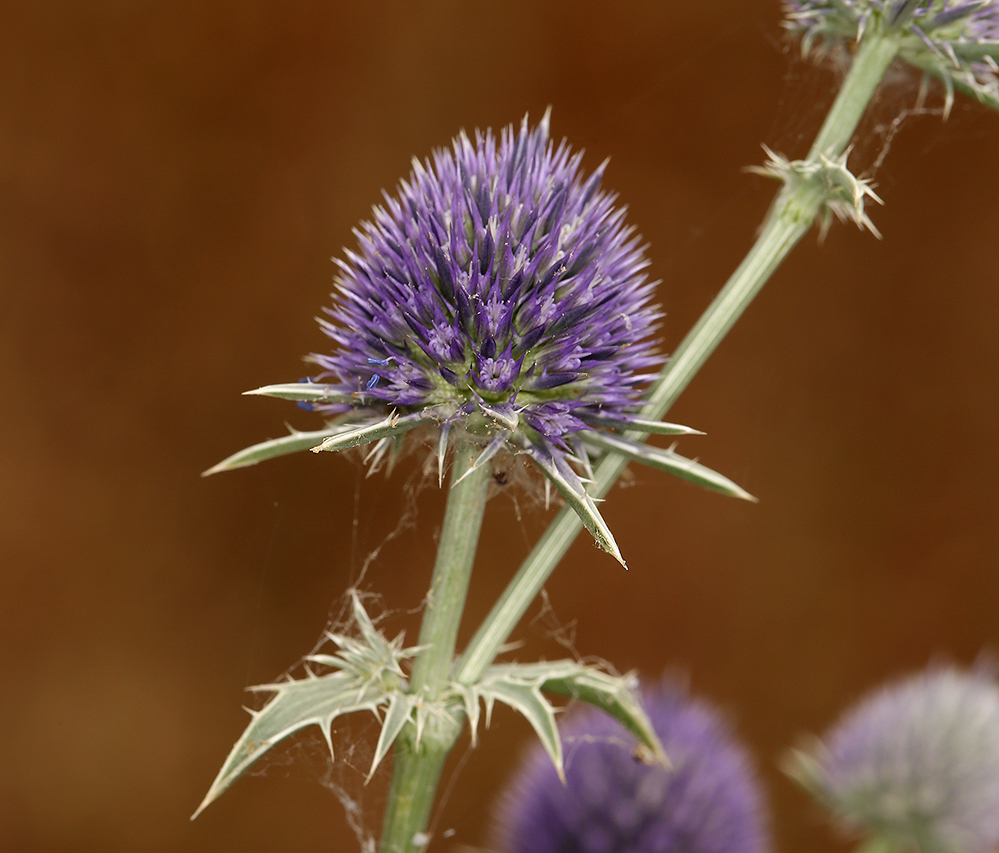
[
  {"x": 954, "y": 40},
  {"x": 916, "y": 764},
  {"x": 500, "y": 301},
  {"x": 611, "y": 802}
]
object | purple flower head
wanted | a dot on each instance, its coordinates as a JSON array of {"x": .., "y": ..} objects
[
  {"x": 499, "y": 302},
  {"x": 954, "y": 40},
  {"x": 916, "y": 763},
  {"x": 708, "y": 802},
  {"x": 499, "y": 292}
]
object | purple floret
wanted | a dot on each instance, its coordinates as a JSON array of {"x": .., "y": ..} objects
[
  {"x": 708, "y": 802},
  {"x": 499, "y": 291}
]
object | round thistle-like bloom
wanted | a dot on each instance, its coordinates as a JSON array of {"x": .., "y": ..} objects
[
  {"x": 498, "y": 292},
  {"x": 954, "y": 40},
  {"x": 500, "y": 302},
  {"x": 916, "y": 764},
  {"x": 708, "y": 802}
]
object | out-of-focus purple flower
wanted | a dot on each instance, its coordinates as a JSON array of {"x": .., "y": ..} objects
[
  {"x": 916, "y": 763},
  {"x": 955, "y": 40},
  {"x": 708, "y": 802}
]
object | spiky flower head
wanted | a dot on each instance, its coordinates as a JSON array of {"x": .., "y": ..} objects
[
  {"x": 915, "y": 764},
  {"x": 499, "y": 292},
  {"x": 954, "y": 40},
  {"x": 708, "y": 801},
  {"x": 500, "y": 302}
]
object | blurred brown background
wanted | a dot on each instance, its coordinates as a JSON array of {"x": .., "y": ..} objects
[{"x": 174, "y": 179}]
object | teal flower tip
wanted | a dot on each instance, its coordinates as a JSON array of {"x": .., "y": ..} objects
[
  {"x": 915, "y": 764},
  {"x": 954, "y": 40},
  {"x": 709, "y": 801}
]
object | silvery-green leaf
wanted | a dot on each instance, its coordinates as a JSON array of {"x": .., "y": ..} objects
[
  {"x": 442, "y": 451},
  {"x": 399, "y": 713},
  {"x": 353, "y": 436},
  {"x": 368, "y": 677},
  {"x": 376, "y": 455},
  {"x": 617, "y": 695},
  {"x": 372, "y": 637},
  {"x": 296, "y": 704},
  {"x": 582, "y": 504},
  {"x": 269, "y": 449},
  {"x": 528, "y": 701},
  {"x": 668, "y": 460},
  {"x": 642, "y": 425},
  {"x": 306, "y": 392}
]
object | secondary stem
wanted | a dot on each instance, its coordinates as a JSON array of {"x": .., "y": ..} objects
[
  {"x": 789, "y": 218},
  {"x": 417, "y": 766}
]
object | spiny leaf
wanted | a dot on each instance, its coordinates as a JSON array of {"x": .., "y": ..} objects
[
  {"x": 520, "y": 686},
  {"x": 507, "y": 685},
  {"x": 470, "y": 702},
  {"x": 269, "y": 449},
  {"x": 296, "y": 704},
  {"x": 668, "y": 460},
  {"x": 617, "y": 695},
  {"x": 400, "y": 711},
  {"x": 490, "y": 451},
  {"x": 368, "y": 676}
]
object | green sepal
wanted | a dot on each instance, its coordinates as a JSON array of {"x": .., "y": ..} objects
[{"x": 670, "y": 461}]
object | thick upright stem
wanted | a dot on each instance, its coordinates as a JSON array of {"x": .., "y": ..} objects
[{"x": 418, "y": 766}]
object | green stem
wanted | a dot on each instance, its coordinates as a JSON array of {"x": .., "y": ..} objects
[
  {"x": 417, "y": 766},
  {"x": 877, "y": 843},
  {"x": 870, "y": 63},
  {"x": 790, "y": 217}
]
